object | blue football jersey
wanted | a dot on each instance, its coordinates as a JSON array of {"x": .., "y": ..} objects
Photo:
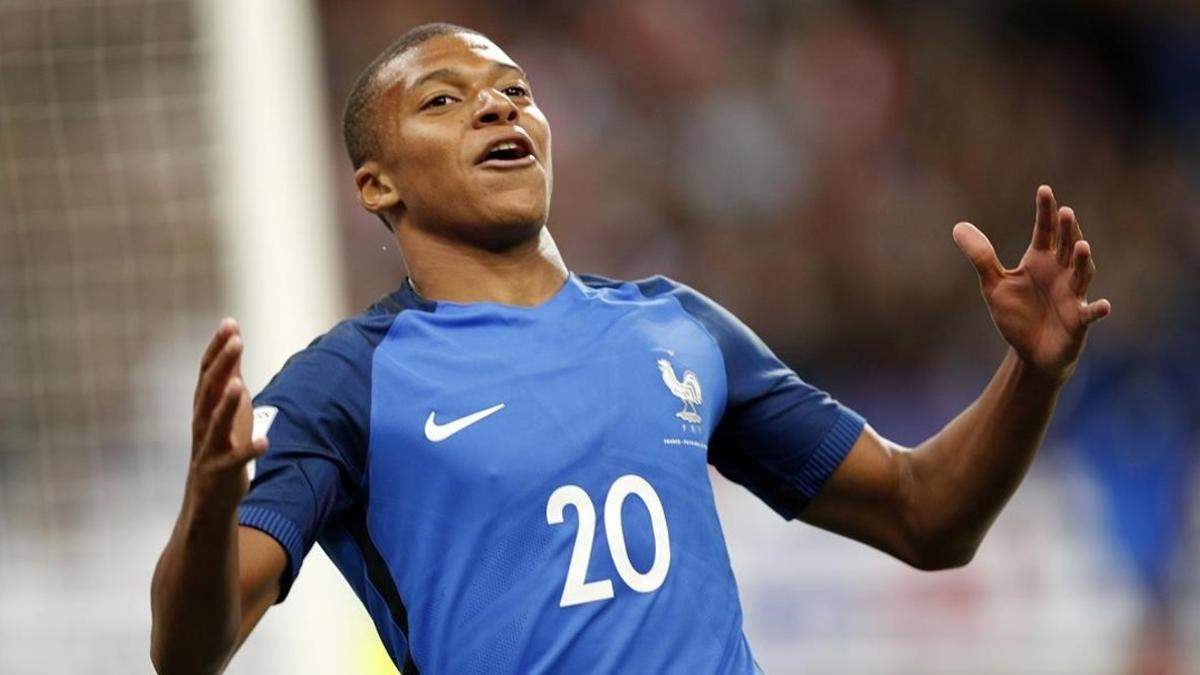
[{"x": 525, "y": 490}]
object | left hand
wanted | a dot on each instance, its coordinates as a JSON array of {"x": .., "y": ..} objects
[{"x": 1040, "y": 307}]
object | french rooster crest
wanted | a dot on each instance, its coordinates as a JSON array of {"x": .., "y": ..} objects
[{"x": 687, "y": 390}]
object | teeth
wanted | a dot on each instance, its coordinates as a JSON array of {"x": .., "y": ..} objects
[{"x": 506, "y": 145}]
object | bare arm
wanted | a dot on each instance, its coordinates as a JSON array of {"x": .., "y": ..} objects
[
  {"x": 931, "y": 506},
  {"x": 214, "y": 580}
]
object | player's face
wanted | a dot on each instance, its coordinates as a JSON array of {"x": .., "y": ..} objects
[{"x": 468, "y": 148}]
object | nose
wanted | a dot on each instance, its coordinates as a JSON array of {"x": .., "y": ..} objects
[{"x": 495, "y": 108}]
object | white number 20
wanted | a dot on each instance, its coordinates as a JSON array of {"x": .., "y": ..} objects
[{"x": 576, "y": 590}]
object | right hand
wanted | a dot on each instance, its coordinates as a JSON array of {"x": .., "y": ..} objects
[{"x": 222, "y": 421}]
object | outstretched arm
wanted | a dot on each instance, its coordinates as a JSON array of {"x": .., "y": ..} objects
[
  {"x": 215, "y": 579},
  {"x": 931, "y": 505}
]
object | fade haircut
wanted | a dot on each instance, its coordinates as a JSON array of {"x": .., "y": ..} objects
[
  {"x": 361, "y": 115},
  {"x": 360, "y": 118}
]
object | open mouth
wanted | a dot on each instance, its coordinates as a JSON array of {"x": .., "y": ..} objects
[{"x": 508, "y": 152}]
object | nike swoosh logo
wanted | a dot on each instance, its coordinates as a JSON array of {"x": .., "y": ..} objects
[{"x": 440, "y": 432}]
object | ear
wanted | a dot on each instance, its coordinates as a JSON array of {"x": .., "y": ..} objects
[{"x": 376, "y": 191}]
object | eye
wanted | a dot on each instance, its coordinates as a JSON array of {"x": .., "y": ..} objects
[
  {"x": 515, "y": 90},
  {"x": 437, "y": 102}
]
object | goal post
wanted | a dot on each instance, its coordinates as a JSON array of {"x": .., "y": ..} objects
[{"x": 278, "y": 254}]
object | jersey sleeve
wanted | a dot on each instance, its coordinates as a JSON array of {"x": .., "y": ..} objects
[
  {"x": 779, "y": 436},
  {"x": 315, "y": 415}
]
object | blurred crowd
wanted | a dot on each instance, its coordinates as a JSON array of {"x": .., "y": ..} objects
[{"x": 804, "y": 162}]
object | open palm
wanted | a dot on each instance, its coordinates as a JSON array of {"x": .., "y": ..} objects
[{"x": 1040, "y": 307}]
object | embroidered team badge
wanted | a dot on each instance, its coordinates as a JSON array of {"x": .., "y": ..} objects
[
  {"x": 264, "y": 417},
  {"x": 687, "y": 390}
]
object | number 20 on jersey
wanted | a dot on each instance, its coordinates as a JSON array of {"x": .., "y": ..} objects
[{"x": 576, "y": 590}]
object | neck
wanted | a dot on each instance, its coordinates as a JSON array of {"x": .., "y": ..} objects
[{"x": 527, "y": 274}]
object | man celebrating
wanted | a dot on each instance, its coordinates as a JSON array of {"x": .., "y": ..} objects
[{"x": 508, "y": 461}]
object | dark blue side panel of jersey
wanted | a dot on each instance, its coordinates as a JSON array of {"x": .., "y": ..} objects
[
  {"x": 350, "y": 547},
  {"x": 308, "y": 486},
  {"x": 779, "y": 437},
  {"x": 315, "y": 463}
]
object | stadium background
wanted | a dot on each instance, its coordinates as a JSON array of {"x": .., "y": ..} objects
[{"x": 164, "y": 163}]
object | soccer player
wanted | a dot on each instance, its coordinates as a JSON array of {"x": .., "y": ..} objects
[{"x": 508, "y": 460}]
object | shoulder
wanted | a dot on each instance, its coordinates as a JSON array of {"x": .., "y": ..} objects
[
  {"x": 726, "y": 328},
  {"x": 322, "y": 395},
  {"x": 657, "y": 286},
  {"x": 650, "y": 286},
  {"x": 340, "y": 356},
  {"x": 353, "y": 339},
  {"x": 360, "y": 333}
]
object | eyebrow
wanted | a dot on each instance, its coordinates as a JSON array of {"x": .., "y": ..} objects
[{"x": 452, "y": 73}]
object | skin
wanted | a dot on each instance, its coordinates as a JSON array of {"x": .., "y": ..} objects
[
  {"x": 450, "y": 99},
  {"x": 446, "y": 101},
  {"x": 932, "y": 505},
  {"x": 214, "y": 580}
]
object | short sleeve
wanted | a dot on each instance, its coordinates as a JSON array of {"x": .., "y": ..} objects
[
  {"x": 779, "y": 436},
  {"x": 315, "y": 413}
]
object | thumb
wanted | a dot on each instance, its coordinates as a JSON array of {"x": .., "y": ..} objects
[{"x": 975, "y": 245}]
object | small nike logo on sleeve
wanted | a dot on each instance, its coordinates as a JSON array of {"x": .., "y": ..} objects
[{"x": 440, "y": 432}]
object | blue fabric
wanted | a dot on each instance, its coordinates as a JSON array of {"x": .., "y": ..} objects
[
  {"x": 779, "y": 436},
  {"x": 392, "y": 450}
]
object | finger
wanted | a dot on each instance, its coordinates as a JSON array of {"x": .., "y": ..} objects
[
  {"x": 214, "y": 380},
  {"x": 975, "y": 245},
  {"x": 259, "y": 445},
  {"x": 1043, "y": 223},
  {"x": 244, "y": 445},
  {"x": 225, "y": 329},
  {"x": 1083, "y": 268},
  {"x": 221, "y": 426},
  {"x": 1092, "y": 312},
  {"x": 1068, "y": 233},
  {"x": 257, "y": 448}
]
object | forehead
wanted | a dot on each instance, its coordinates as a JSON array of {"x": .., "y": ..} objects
[{"x": 462, "y": 51}]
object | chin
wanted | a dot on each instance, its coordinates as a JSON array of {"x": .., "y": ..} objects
[
  {"x": 507, "y": 229},
  {"x": 530, "y": 209},
  {"x": 514, "y": 214}
]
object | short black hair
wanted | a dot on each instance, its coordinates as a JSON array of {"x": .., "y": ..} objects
[{"x": 361, "y": 115}]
